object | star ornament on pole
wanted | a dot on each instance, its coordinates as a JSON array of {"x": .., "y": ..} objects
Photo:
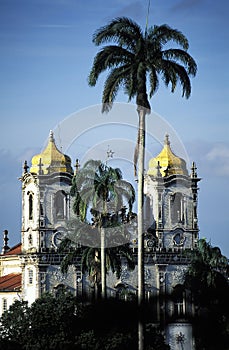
[{"x": 110, "y": 153}]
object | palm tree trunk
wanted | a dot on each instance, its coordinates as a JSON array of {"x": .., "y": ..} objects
[
  {"x": 141, "y": 163},
  {"x": 96, "y": 278},
  {"x": 103, "y": 263}
]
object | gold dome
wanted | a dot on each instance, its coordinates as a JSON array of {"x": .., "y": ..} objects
[
  {"x": 51, "y": 160},
  {"x": 169, "y": 163}
]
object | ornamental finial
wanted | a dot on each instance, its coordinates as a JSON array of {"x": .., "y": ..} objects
[
  {"x": 25, "y": 167},
  {"x": 167, "y": 142},
  {"x": 5, "y": 248},
  {"x": 77, "y": 166},
  {"x": 194, "y": 168},
  {"x": 51, "y": 137}
]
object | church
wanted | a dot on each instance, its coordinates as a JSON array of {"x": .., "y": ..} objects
[{"x": 32, "y": 267}]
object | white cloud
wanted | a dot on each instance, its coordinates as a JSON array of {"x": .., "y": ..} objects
[
  {"x": 218, "y": 157},
  {"x": 219, "y": 151},
  {"x": 212, "y": 158}
]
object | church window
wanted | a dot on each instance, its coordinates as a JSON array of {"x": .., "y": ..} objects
[
  {"x": 178, "y": 300},
  {"x": 30, "y": 239},
  {"x": 60, "y": 204},
  {"x": 41, "y": 209},
  {"x": 30, "y": 276},
  {"x": 178, "y": 239},
  {"x": 176, "y": 208},
  {"x": 178, "y": 307},
  {"x": 30, "y": 206}
]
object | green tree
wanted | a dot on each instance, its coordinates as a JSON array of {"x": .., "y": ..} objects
[
  {"x": 101, "y": 192},
  {"x": 135, "y": 60},
  {"x": 206, "y": 279},
  {"x": 14, "y": 324},
  {"x": 49, "y": 323}
]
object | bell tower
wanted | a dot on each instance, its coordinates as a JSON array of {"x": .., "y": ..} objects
[
  {"x": 171, "y": 226},
  {"x": 46, "y": 207},
  {"x": 172, "y": 194},
  {"x": 45, "y": 199}
]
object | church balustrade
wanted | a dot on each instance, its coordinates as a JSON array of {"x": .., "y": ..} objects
[{"x": 55, "y": 258}]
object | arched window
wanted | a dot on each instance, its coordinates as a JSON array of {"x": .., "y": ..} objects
[
  {"x": 176, "y": 208},
  {"x": 41, "y": 209},
  {"x": 30, "y": 239},
  {"x": 30, "y": 206},
  {"x": 60, "y": 204},
  {"x": 178, "y": 296},
  {"x": 30, "y": 274}
]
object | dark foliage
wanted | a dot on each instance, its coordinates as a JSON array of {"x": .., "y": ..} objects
[
  {"x": 206, "y": 279},
  {"x": 61, "y": 323}
]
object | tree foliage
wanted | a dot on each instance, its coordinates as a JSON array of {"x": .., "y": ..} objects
[
  {"x": 101, "y": 200},
  {"x": 47, "y": 324},
  {"x": 61, "y": 323},
  {"x": 135, "y": 55},
  {"x": 206, "y": 278}
]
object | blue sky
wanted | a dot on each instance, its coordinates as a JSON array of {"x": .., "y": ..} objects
[{"x": 46, "y": 56}]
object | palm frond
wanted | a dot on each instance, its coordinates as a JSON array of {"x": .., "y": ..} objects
[
  {"x": 154, "y": 82},
  {"x": 109, "y": 57},
  {"x": 116, "y": 78},
  {"x": 172, "y": 72},
  {"x": 121, "y": 30},
  {"x": 163, "y": 34},
  {"x": 183, "y": 57},
  {"x": 68, "y": 260}
]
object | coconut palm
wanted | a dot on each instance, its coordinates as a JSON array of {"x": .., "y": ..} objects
[
  {"x": 100, "y": 193},
  {"x": 91, "y": 260},
  {"x": 135, "y": 60}
]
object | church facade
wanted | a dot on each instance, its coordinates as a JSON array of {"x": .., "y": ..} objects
[{"x": 32, "y": 267}]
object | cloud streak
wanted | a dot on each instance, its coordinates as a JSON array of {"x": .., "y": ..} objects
[
  {"x": 186, "y": 5},
  {"x": 134, "y": 10},
  {"x": 212, "y": 158}
]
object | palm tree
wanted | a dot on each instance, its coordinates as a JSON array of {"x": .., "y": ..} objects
[
  {"x": 91, "y": 260},
  {"x": 206, "y": 274},
  {"x": 135, "y": 60},
  {"x": 101, "y": 192},
  {"x": 207, "y": 280}
]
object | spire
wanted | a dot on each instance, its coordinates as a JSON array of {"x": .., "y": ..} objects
[
  {"x": 5, "y": 248},
  {"x": 51, "y": 137},
  {"x": 194, "y": 172},
  {"x": 166, "y": 141},
  {"x": 25, "y": 167},
  {"x": 77, "y": 166}
]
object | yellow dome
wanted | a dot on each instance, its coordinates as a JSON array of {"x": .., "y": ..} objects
[
  {"x": 169, "y": 163},
  {"x": 51, "y": 160}
]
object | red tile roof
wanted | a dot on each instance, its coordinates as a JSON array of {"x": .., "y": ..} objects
[
  {"x": 11, "y": 282},
  {"x": 14, "y": 250}
]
